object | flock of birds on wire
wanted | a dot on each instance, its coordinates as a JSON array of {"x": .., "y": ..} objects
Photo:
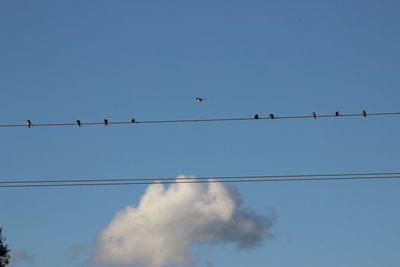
[
  {"x": 337, "y": 114},
  {"x": 201, "y": 99}
]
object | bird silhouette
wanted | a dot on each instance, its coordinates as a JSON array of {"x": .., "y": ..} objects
[
  {"x": 364, "y": 113},
  {"x": 105, "y": 122},
  {"x": 314, "y": 115},
  {"x": 337, "y": 113},
  {"x": 133, "y": 121},
  {"x": 28, "y": 123},
  {"x": 78, "y": 122},
  {"x": 256, "y": 116},
  {"x": 200, "y": 99},
  {"x": 271, "y": 116}
]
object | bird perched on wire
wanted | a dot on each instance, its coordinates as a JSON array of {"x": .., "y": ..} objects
[
  {"x": 28, "y": 123},
  {"x": 78, "y": 122},
  {"x": 105, "y": 122},
  {"x": 364, "y": 113},
  {"x": 314, "y": 115},
  {"x": 256, "y": 117},
  {"x": 133, "y": 120},
  {"x": 337, "y": 113},
  {"x": 200, "y": 99},
  {"x": 271, "y": 116}
]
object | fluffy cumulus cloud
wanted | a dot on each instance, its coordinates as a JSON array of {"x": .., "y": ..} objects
[{"x": 159, "y": 231}]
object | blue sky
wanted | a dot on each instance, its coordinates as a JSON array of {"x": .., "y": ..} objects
[{"x": 90, "y": 60}]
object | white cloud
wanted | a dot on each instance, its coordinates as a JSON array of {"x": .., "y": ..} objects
[{"x": 168, "y": 220}]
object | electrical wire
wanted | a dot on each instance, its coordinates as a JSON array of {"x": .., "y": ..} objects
[
  {"x": 189, "y": 180},
  {"x": 274, "y": 117},
  {"x": 199, "y": 178}
]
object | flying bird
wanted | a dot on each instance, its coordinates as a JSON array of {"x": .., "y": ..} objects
[
  {"x": 271, "y": 116},
  {"x": 314, "y": 115},
  {"x": 78, "y": 122},
  {"x": 28, "y": 123},
  {"x": 364, "y": 113},
  {"x": 256, "y": 117},
  {"x": 105, "y": 122},
  {"x": 337, "y": 113},
  {"x": 200, "y": 99}
]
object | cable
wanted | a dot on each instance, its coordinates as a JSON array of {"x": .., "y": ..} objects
[
  {"x": 273, "y": 117},
  {"x": 210, "y": 181},
  {"x": 199, "y": 178},
  {"x": 192, "y": 181}
]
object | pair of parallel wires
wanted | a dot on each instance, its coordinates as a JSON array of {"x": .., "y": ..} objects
[{"x": 377, "y": 176}]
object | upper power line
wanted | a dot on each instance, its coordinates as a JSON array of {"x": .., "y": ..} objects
[{"x": 272, "y": 116}]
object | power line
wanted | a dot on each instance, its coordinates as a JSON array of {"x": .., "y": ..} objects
[
  {"x": 30, "y": 123},
  {"x": 241, "y": 179},
  {"x": 199, "y": 178}
]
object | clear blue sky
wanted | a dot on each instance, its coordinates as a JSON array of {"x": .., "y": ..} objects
[{"x": 90, "y": 60}]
